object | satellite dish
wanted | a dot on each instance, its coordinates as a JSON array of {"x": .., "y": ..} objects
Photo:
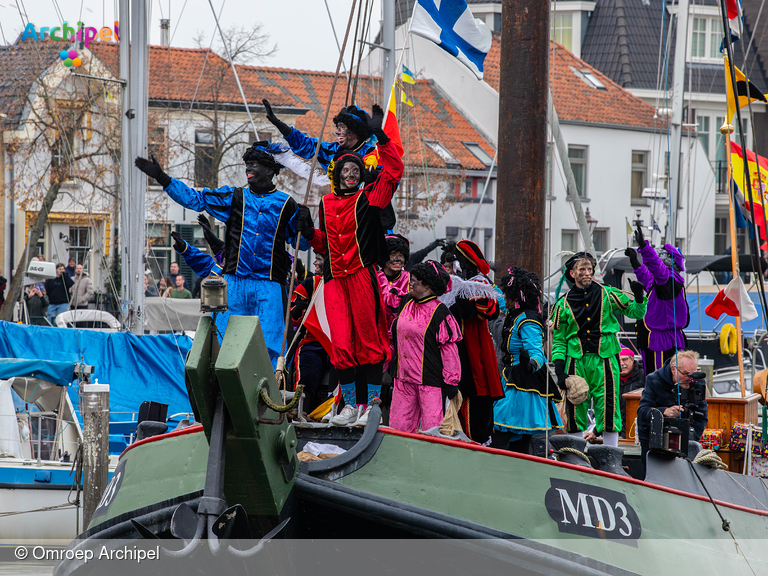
[{"x": 41, "y": 270}]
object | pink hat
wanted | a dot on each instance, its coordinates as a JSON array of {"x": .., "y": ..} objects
[{"x": 626, "y": 352}]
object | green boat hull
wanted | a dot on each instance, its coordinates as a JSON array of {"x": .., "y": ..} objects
[{"x": 632, "y": 525}]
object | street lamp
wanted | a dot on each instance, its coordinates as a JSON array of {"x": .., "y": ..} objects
[{"x": 591, "y": 222}]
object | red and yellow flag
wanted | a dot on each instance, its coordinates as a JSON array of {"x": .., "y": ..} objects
[{"x": 754, "y": 164}]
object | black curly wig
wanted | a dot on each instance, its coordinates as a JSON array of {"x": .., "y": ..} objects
[
  {"x": 432, "y": 275},
  {"x": 355, "y": 119},
  {"x": 522, "y": 289},
  {"x": 398, "y": 243},
  {"x": 256, "y": 152}
]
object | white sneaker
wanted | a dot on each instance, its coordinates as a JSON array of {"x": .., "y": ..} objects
[
  {"x": 347, "y": 417},
  {"x": 364, "y": 418}
]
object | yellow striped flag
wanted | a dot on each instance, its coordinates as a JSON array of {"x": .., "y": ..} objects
[
  {"x": 746, "y": 91},
  {"x": 404, "y": 98}
]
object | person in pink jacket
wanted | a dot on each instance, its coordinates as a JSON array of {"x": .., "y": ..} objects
[{"x": 427, "y": 359}]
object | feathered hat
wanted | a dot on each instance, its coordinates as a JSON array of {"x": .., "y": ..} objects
[{"x": 472, "y": 252}]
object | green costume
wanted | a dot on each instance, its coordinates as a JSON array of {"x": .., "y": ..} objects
[{"x": 585, "y": 338}]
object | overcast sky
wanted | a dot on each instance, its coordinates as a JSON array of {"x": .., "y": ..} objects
[{"x": 300, "y": 28}]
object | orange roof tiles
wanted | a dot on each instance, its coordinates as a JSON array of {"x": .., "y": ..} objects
[
  {"x": 577, "y": 100},
  {"x": 431, "y": 117}
]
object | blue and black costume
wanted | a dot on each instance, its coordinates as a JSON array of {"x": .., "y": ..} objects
[{"x": 259, "y": 223}]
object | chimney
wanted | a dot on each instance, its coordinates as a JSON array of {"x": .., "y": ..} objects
[{"x": 165, "y": 31}]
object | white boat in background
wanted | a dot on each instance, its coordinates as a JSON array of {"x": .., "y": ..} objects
[{"x": 41, "y": 501}]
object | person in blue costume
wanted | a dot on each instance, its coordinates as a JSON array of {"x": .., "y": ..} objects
[
  {"x": 352, "y": 133},
  {"x": 260, "y": 219},
  {"x": 528, "y": 406}
]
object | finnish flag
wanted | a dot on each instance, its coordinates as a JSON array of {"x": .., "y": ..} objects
[{"x": 450, "y": 25}]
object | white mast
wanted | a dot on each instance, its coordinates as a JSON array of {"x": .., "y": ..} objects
[
  {"x": 676, "y": 123},
  {"x": 134, "y": 142}
]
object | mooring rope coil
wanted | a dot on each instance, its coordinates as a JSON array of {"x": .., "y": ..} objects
[{"x": 710, "y": 458}]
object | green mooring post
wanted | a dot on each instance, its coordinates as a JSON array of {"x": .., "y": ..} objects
[{"x": 260, "y": 462}]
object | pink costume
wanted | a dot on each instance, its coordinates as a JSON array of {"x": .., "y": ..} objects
[
  {"x": 425, "y": 335},
  {"x": 392, "y": 292}
]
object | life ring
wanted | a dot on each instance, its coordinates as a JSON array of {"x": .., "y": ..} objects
[{"x": 728, "y": 339}]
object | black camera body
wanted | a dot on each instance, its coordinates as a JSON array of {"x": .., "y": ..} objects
[{"x": 671, "y": 435}]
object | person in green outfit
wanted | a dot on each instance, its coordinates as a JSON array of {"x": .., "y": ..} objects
[
  {"x": 180, "y": 291},
  {"x": 585, "y": 343}
]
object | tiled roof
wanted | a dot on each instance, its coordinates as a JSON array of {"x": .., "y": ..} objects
[
  {"x": 431, "y": 117},
  {"x": 21, "y": 64},
  {"x": 623, "y": 40},
  {"x": 181, "y": 74},
  {"x": 578, "y": 100},
  {"x": 184, "y": 74}
]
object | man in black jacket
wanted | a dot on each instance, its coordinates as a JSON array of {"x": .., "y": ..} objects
[
  {"x": 661, "y": 392},
  {"x": 57, "y": 290}
]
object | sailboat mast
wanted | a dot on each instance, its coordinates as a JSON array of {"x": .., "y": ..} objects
[
  {"x": 522, "y": 150},
  {"x": 134, "y": 139},
  {"x": 676, "y": 124},
  {"x": 125, "y": 155}
]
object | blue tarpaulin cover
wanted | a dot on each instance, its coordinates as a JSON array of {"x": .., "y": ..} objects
[
  {"x": 136, "y": 368},
  {"x": 60, "y": 373}
]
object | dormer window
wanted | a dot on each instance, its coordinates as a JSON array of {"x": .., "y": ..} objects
[
  {"x": 442, "y": 152},
  {"x": 706, "y": 36}
]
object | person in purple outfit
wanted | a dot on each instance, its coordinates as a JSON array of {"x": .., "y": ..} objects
[{"x": 661, "y": 331}]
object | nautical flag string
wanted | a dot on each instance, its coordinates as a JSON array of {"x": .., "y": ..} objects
[{"x": 451, "y": 25}]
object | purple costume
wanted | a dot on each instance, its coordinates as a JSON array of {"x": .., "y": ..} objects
[{"x": 662, "y": 331}]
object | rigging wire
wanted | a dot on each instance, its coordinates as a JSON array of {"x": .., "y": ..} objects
[
  {"x": 352, "y": 57},
  {"x": 335, "y": 37},
  {"x": 363, "y": 36}
]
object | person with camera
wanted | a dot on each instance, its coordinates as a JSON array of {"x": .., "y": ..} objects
[{"x": 666, "y": 390}]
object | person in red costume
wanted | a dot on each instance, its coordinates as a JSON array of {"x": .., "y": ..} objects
[
  {"x": 352, "y": 238},
  {"x": 473, "y": 301}
]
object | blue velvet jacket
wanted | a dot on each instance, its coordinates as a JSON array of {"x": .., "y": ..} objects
[{"x": 258, "y": 226}]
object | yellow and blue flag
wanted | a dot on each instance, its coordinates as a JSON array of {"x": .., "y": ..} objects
[{"x": 408, "y": 76}]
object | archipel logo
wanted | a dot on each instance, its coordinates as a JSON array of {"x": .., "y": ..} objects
[{"x": 84, "y": 35}]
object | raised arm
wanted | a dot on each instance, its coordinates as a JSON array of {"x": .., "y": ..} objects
[
  {"x": 381, "y": 192},
  {"x": 622, "y": 302},
  {"x": 656, "y": 268},
  {"x": 201, "y": 263}
]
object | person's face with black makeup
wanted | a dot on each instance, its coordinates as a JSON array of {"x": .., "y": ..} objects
[
  {"x": 350, "y": 176},
  {"x": 345, "y": 137},
  {"x": 259, "y": 176}
]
